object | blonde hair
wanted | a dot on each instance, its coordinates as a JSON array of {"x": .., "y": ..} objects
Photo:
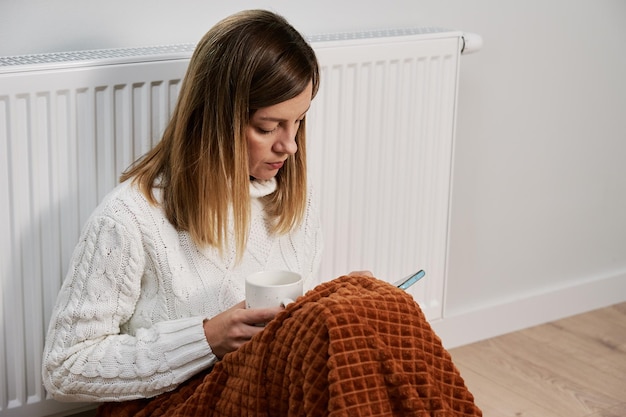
[{"x": 248, "y": 61}]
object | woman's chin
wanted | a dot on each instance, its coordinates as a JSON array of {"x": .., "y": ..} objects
[{"x": 264, "y": 176}]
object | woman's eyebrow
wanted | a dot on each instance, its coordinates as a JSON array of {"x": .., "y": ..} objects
[
  {"x": 272, "y": 119},
  {"x": 279, "y": 119}
]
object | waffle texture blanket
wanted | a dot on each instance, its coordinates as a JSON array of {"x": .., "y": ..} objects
[{"x": 354, "y": 346}]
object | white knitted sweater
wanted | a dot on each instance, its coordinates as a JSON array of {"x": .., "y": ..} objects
[{"x": 127, "y": 323}]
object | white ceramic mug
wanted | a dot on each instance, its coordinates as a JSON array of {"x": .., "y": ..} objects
[{"x": 272, "y": 288}]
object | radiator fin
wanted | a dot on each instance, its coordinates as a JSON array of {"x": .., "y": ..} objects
[{"x": 380, "y": 149}]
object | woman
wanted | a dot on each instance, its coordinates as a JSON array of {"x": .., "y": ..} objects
[
  {"x": 150, "y": 321},
  {"x": 153, "y": 294}
]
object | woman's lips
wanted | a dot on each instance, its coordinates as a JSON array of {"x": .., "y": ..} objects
[{"x": 276, "y": 165}]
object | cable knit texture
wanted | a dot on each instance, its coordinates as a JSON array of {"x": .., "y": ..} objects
[{"x": 128, "y": 319}]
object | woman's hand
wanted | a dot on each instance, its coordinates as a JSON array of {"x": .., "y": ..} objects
[
  {"x": 230, "y": 329},
  {"x": 361, "y": 274}
]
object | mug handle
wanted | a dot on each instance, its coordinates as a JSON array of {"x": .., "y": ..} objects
[{"x": 285, "y": 302}]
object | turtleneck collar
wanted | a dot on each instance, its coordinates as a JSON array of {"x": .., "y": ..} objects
[{"x": 261, "y": 188}]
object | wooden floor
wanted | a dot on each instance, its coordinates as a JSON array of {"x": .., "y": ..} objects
[{"x": 574, "y": 367}]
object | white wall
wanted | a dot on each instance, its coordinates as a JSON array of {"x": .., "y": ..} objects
[{"x": 538, "y": 222}]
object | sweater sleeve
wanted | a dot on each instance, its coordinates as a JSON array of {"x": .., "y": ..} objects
[{"x": 86, "y": 356}]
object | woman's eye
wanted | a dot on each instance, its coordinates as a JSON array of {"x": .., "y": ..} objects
[{"x": 265, "y": 132}]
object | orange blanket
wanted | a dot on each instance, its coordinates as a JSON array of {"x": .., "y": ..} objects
[{"x": 355, "y": 346}]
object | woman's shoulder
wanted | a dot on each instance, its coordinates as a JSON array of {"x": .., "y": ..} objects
[
  {"x": 125, "y": 193},
  {"x": 127, "y": 203}
]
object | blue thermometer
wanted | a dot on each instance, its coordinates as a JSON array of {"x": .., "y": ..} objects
[{"x": 405, "y": 283}]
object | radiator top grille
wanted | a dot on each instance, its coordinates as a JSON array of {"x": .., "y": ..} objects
[
  {"x": 31, "y": 62},
  {"x": 95, "y": 56},
  {"x": 374, "y": 34}
]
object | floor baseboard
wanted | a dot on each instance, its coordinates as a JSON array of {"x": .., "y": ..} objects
[{"x": 496, "y": 320}]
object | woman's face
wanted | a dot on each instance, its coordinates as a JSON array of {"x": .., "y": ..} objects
[{"x": 271, "y": 134}]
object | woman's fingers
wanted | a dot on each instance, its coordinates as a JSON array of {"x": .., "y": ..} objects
[
  {"x": 260, "y": 315},
  {"x": 230, "y": 329},
  {"x": 361, "y": 273}
]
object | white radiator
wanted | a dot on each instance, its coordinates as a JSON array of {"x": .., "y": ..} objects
[{"x": 380, "y": 143}]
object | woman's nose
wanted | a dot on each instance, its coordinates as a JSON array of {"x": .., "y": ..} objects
[{"x": 286, "y": 143}]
